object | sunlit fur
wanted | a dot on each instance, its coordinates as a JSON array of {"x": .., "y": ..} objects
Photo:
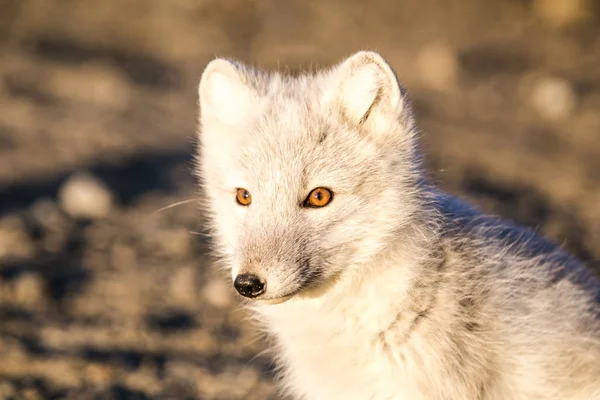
[{"x": 394, "y": 290}]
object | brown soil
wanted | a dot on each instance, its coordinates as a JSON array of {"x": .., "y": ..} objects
[{"x": 126, "y": 306}]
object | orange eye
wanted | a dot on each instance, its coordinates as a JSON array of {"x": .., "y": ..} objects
[
  {"x": 319, "y": 197},
  {"x": 243, "y": 197}
]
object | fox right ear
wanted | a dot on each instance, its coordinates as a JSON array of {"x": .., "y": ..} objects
[
  {"x": 366, "y": 89},
  {"x": 224, "y": 95}
]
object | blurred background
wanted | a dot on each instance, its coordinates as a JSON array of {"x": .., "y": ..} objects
[{"x": 103, "y": 297}]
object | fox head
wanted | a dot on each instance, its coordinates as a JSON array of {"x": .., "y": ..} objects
[{"x": 306, "y": 178}]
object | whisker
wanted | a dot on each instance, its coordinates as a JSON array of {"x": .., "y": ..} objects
[
  {"x": 200, "y": 234},
  {"x": 179, "y": 203}
]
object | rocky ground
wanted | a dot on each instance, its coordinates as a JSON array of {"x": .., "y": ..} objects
[{"x": 103, "y": 296}]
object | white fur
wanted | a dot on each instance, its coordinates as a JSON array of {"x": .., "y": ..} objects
[
  {"x": 223, "y": 95},
  {"x": 394, "y": 290}
]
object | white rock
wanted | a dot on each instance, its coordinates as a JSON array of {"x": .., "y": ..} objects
[
  {"x": 84, "y": 196},
  {"x": 438, "y": 66},
  {"x": 553, "y": 98}
]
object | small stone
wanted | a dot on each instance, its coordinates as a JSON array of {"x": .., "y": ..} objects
[
  {"x": 143, "y": 380},
  {"x": 246, "y": 378},
  {"x": 242, "y": 379},
  {"x": 183, "y": 287},
  {"x": 174, "y": 241},
  {"x": 123, "y": 258},
  {"x": 100, "y": 85},
  {"x": 217, "y": 293},
  {"x": 553, "y": 98},
  {"x": 561, "y": 13},
  {"x": 7, "y": 390},
  {"x": 98, "y": 374},
  {"x": 31, "y": 394},
  {"x": 29, "y": 289},
  {"x": 86, "y": 197},
  {"x": 438, "y": 66},
  {"x": 14, "y": 239},
  {"x": 47, "y": 214}
]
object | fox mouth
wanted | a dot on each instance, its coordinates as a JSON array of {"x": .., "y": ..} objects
[
  {"x": 275, "y": 300},
  {"x": 305, "y": 288},
  {"x": 280, "y": 298}
]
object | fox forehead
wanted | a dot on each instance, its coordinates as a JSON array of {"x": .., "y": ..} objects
[{"x": 293, "y": 146}]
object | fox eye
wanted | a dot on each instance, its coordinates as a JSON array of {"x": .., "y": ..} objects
[
  {"x": 243, "y": 197},
  {"x": 318, "y": 197}
]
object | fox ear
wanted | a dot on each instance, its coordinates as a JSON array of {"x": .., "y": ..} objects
[
  {"x": 223, "y": 92},
  {"x": 364, "y": 84}
]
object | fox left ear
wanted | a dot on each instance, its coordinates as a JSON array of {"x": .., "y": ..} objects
[
  {"x": 363, "y": 85},
  {"x": 223, "y": 92}
]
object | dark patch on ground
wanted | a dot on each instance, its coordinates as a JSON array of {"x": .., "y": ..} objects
[
  {"x": 119, "y": 392},
  {"x": 21, "y": 89},
  {"x": 483, "y": 62},
  {"x": 129, "y": 179},
  {"x": 129, "y": 359},
  {"x": 172, "y": 321},
  {"x": 142, "y": 69}
]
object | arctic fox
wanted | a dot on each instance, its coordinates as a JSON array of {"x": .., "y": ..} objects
[{"x": 372, "y": 283}]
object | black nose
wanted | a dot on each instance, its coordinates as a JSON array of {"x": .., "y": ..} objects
[{"x": 249, "y": 285}]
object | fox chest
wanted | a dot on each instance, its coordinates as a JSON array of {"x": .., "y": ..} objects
[{"x": 329, "y": 365}]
